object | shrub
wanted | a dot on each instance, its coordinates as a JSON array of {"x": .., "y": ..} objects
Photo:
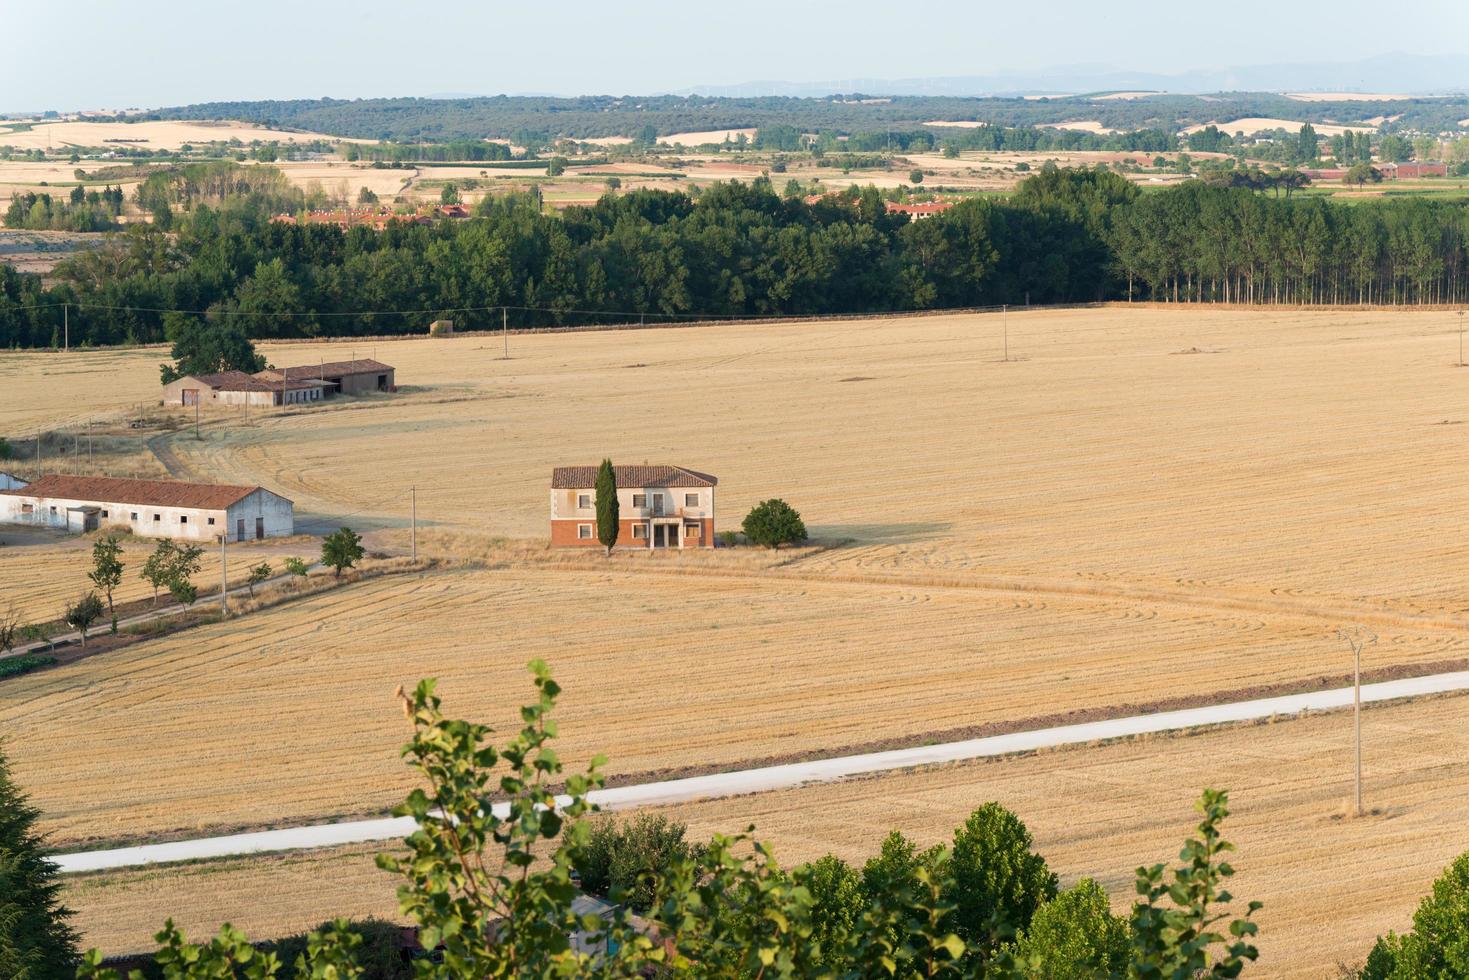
[
  {"x": 729, "y": 538},
  {"x": 294, "y": 566},
  {"x": 623, "y": 860},
  {"x": 1074, "y": 936},
  {"x": 1438, "y": 946},
  {"x": 80, "y": 615},
  {"x": 773, "y": 523},
  {"x": 916, "y": 177},
  {"x": 258, "y": 574},
  {"x": 23, "y": 664}
]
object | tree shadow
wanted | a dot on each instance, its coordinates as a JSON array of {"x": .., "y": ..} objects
[{"x": 906, "y": 533}]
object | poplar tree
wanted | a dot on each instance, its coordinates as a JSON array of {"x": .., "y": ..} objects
[{"x": 608, "y": 523}]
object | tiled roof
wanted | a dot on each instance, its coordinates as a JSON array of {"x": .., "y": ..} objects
[
  {"x": 331, "y": 369},
  {"x": 585, "y": 477},
  {"x": 160, "y": 493}
]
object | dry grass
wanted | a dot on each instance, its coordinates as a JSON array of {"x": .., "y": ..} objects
[
  {"x": 1259, "y": 124},
  {"x": 1330, "y": 884},
  {"x": 667, "y": 661},
  {"x": 154, "y": 135}
]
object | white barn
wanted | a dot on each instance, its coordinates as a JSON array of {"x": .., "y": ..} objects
[{"x": 150, "y": 508}]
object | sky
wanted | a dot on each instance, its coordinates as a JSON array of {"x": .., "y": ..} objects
[{"x": 106, "y": 54}]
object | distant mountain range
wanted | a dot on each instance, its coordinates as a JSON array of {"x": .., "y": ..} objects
[{"x": 1390, "y": 73}]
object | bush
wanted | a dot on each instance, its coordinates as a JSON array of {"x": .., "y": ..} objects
[
  {"x": 80, "y": 615},
  {"x": 23, "y": 664},
  {"x": 1438, "y": 946},
  {"x": 294, "y": 566},
  {"x": 729, "y": 538},
  {"x": 916, "y": 177},
  {"x": 379, "y": 955},
  {"x": 623, "y": 860},
  {"x": 773, "y": 523},
  {"x": 1074, "y": 936}
]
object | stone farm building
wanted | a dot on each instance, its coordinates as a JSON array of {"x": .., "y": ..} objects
[
  {"x": 239, "y": 388},
  {"x": 281, "y": 386},
  {"x": 149, "y": 508},
  {"x": 658, "y": 506}
]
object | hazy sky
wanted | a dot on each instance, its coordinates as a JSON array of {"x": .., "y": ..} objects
[{"x": 111, "y": 53}]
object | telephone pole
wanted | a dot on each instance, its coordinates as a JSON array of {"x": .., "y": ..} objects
[
  {"x": 505, "y": 329},
  {"x": 66, "y": 326},
  {"x": 413, "y": 525},
  {"x": 1005, "y": 312},
  {"x": 224, "y": 574},
  {"x": 1357, "y": 637}
]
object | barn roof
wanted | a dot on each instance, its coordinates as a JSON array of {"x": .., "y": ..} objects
[
  {"x": 331, "y": 369},
  {"x": 585, "y": 477},
  {"x": 148, "y": 493}
]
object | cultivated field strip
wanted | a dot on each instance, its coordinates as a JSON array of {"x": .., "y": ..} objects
[
  {"x": 1330, "y": 884},
  {"x": 287, "y": 715}
]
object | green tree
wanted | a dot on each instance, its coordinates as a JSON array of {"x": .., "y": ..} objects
[
  {"x": 1307, "y": 148},
  {"x": 203, "y": 346},
  {"x": 366, "y": 197},
  {"x": 838, "y": 903},
  {"x": 1395, "y": 149},
  {"x": 450, "y": 194},
  {"x": 295, "y": 567},
  {"x": 624, "y": 860},
  {"x": 258, "y": 574},
  {"x": 36, "y": 943},
  {"x": 613, "y": 183},
  {"x": 1178, "y": 938},
  {"x": 915, "y": 176},
  {"x": 81, "y": 614},
  {"x": 1362, "y": 173},
  {"x": 555, "y": 167},
  {"x": 609, "y": 522},
  {"x": 1437, "y": 948},
  {"x": 772, "y": 523},
  {"x": 184, "y": 563},
  {"x": 1074, "y": 936},
  {"x": 107, "y": 567},
  {"x": 184, "y": 592},
  {"x": 341, "y": 549},
  {"x": 6, "y": 452},
  {"x": 998, "y": 882}
]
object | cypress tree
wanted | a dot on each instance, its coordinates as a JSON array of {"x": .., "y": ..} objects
[
  {"x": 607, "y": 511},
  {"x": 35, "y": 941}
]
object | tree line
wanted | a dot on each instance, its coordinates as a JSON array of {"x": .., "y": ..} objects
[{"x": 733, "y": 250}]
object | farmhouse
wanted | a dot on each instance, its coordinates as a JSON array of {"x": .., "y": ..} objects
[
  {"x": 918, "y": 212},
  {"x": 149, "y": 508},
  {"x": 239, "y": 388},
  {"x": 339, "y": 377},
  {"x": 658, "y": 507}
]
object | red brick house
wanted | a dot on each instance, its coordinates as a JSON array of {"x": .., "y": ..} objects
[{"x": 658, "y": 506}]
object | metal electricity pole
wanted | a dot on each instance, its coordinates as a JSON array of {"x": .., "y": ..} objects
[
  {"x": 66, "y": 326},
  {"x": 1357, "y": 637},
  {"x": 1005, "y": 312},
  {"x": 196, "y": 417},
  {"x": 505, "y": 329},
  {"x": 413, "y": 525},
  {"x": 1461, "y": 338}
]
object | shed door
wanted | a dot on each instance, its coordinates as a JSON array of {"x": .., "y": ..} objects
[
  {"x": 191, "y": 396},
  {"x": 240, "y": 529},
  {"x": 259, "y": 528}
]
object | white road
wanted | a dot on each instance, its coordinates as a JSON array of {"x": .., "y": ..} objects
[{"x": 786, "y": 776}]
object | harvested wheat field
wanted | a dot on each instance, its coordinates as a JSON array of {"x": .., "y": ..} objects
[
  {"x": 767, "y": 662},
  {"x": 152, "y": 134},
  {"x": 1330, "y": 883}
]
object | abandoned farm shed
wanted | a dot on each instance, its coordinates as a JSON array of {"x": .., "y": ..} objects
[
  {"x": 149, "y": 508},
  {"x": 281, "y": 386}
]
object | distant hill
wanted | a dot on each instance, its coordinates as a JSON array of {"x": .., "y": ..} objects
[{"x": 587, "y": 117}]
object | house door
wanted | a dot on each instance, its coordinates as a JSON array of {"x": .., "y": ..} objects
[
  {"x": 259, "y": 528},
  {"x": 191, "y": 396},
  {"x": 240, "y": 529}
]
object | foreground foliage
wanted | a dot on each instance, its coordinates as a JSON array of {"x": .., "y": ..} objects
[
  {"x": 490, "y": 880},
  {"x": 1438, "y": 945},
  {"x": 36, "y": 941}
]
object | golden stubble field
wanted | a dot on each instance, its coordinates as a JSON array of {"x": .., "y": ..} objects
[{"x": 1330, "y": 883}]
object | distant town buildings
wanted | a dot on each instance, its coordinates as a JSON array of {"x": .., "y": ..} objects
[
  {"x": 918, "y": 212},
  {"x": 659, "y": 507},
  {"x": 149, "y": 508},
  {"x": 376, "y": 218}
]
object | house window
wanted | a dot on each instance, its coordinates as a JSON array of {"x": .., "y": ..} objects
[
  {"x": 640, "y": 500},
  {"x": 135, "y": 515},
  {"x": 584, "y": 532},
  {"x": 691, "y": 500},
  {"x": 583, "y": 501},
  {"x": 211, "y": 521},
  {"x": 104, "y": 513},
  {"x": 53, "y": 510},
  {"x": 691, "y": 530},
  {"x": 183, "y": 518},
  {"x": 27, "y": 508},
  {"x": 157, "y": 518},
  {"x": 639, "y": 532}
]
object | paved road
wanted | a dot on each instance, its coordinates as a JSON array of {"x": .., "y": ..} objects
[{"x": 784, "y": 776}]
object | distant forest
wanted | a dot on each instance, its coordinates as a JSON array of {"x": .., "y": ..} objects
[
  {"x": 735, "y": 250},
  {"x": 537, "y": 119}
]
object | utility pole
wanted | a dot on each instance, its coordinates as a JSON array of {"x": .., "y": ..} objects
[
  {"x": 89, "y": 438},
  {"x": 1005, "y": 312},
  {"x": 196, "y": 417},
  {"x": 224, "y": 574},
  {"x": 505, "y": 329},
  {"x": 66, "y": 326},
  {"x": 1461, "y": 338},
  {"x": 1357, "y": 637},
  {"x": 413, "y": 525}
]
